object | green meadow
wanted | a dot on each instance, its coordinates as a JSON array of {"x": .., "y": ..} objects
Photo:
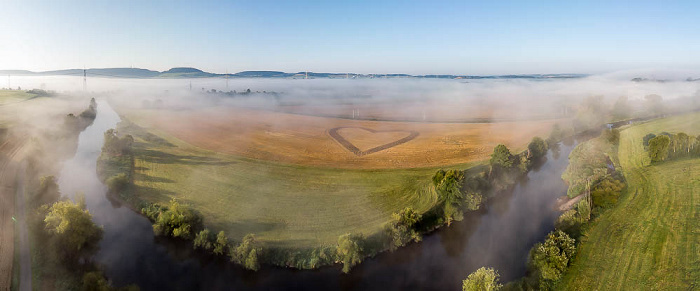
[{"x": 651, "y": 239}]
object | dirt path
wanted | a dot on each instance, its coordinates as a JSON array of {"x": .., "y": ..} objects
[
  {"x": 25, "y": 256},
  {"x": 9, "y": 151},
  {"x": 565, "y": 204}
]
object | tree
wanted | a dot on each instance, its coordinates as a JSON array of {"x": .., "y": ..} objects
[
  {"x": 350, "y": 250},
  {"x": 117, "y": 182},
  {"x": 570, "y": 223},
  {"x": 555, "y": 135},
  {"x": 202, "y": 240},
  {"x": 682, "y": 144},
  {"x": 658, "y": 148},
  {"x": 48, "y": 191},
  {"x": 501, "y": 157},
  {"x": 536, "y": 149},
  {"x": 247, "y": 253},
  {"x": 95, "y": 281},
  {"x": 114, "y": 145},
  {"x": 73, "y": 228},
  {"x": 174, "y": 220},
  {"x": 401, "y": 230},
  {"x": 695, "y": 146},
  {"x": 448, "y": 185},
  {"x": 647, "y": 138},
  {"x": 221, "y": 243},
  {"x": 252, "y": 261},
  {"x": 549, "y": 260},
  {"x": 606, "y": 192},
  {"x": 483, "y": 279}
]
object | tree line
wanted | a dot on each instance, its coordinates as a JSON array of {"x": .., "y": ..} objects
[{"x": 667, "y": 146}]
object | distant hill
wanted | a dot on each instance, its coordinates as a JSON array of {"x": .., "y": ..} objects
[
  {"x": 184, "y": 72},
  {"x": 188, "y": 72},
  {"x": 16, "y": 72}
]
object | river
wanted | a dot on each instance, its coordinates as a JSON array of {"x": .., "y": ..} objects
[{"x": 499, "y": 236}]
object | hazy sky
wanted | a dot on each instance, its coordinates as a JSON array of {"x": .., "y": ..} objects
[{"x": 422, "y": 37}]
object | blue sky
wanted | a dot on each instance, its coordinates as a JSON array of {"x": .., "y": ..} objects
[{"x": 421, "y": 37}]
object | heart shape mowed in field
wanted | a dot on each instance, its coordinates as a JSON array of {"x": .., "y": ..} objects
[{"x": 369, "y": 133}]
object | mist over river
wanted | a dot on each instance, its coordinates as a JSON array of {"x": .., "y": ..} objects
[{"x": 499, "y": 236}]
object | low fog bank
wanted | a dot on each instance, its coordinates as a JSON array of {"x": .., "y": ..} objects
[{"x": 436, "y": 100}]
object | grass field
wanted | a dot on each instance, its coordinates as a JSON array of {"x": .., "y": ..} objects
[
  {"x": 651, "y": 239},
  {"x": 13, "y": 96},
  {"x": 285, "y": 205},
  {"x": 305, "y": 140}
]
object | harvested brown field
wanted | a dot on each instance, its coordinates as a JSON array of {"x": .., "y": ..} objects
[{"x": 334, "y": 142}]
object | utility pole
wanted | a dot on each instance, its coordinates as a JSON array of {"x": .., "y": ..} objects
[{"x": 306, "y": 75}]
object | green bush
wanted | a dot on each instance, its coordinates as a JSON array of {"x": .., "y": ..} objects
[
  {"x": 203, "y": 240},
  {"x": 72, "y": 226},
  {"x": 173, "y": 220},
  {"x": 402, "y": 228},
  {"x": 647, "y": 138},
  {"x": 221, "y": 243},
  {"x": 549, "y": 260},
  {"x": 483, "y": 279},
  {"x": 570, "y": 222},
  {"x": 247, "y": 253},
  {"x": 350, "y": 250},
  {"x": 606, "y": 192},
  {"x": 536, "y": 149},
  {"x": 117, "y": 183},
  {"x": 658, "y": 148},
  {"x": 448, "y": 185}
]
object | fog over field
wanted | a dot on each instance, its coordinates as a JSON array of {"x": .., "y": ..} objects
[{"x": 505, "y": 98}]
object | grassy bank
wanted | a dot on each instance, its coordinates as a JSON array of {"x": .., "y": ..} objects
[{"x": 649, "y": 240}]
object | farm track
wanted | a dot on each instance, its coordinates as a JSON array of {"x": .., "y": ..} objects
[{"x": 9, "y": 150}]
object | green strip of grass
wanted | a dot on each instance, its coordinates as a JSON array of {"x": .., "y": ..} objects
[{"x": 651, "y": 239}]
